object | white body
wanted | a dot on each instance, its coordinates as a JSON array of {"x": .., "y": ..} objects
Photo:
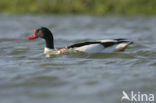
[
  {"x": 93, "y": 48},
  {"x": 98, "y": 48}
]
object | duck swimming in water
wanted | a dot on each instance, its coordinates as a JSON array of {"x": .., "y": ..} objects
[{"x": 88, "y": 47}]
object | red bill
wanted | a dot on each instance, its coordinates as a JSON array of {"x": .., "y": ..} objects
[{"x": 34, "y": 35}]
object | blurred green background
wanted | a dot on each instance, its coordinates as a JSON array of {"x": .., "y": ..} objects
[{"x": 93, "y": 7}]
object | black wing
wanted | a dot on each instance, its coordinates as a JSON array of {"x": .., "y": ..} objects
[
  {"x": 82, "y": 44},
  {"x": 105, "y": 44}
]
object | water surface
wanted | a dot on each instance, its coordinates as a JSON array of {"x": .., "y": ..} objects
[{"x": 26, "y": 76}]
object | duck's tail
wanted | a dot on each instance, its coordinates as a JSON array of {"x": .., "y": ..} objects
[{"x": 123, "y": 46}]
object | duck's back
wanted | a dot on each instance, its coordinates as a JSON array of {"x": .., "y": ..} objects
[{"x": 102, "y": 46}]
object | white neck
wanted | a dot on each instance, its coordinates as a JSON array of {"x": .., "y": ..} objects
[{"x": 46, "y": 50}]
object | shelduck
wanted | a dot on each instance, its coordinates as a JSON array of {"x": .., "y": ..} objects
[{"x": 88, "y": 47}]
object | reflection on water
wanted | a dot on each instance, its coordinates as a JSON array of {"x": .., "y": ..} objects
[{"x": 26, "y": 75}]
